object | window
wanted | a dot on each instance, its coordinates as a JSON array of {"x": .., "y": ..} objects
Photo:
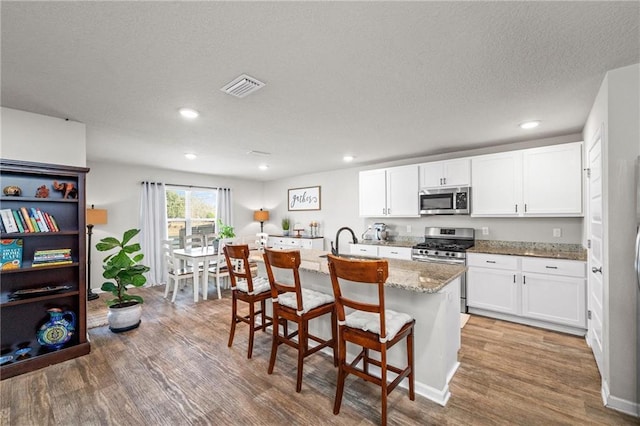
[{"x": 190, "y": 211}]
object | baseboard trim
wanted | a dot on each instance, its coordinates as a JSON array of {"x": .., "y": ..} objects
[{"x": 618, "y": 404}]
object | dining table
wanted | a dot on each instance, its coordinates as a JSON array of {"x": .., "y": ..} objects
[{"x": 198, "y": 256}]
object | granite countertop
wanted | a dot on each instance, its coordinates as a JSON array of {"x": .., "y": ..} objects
[
  {"x": 421, "y": 277},
  {"x": 516, "y": 248},
  {"x": 303, "y": 236},
  {"x": 388, "y": 243}
]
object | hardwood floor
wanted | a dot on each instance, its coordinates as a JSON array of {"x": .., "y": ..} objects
[{"x": 176, "y": 369}]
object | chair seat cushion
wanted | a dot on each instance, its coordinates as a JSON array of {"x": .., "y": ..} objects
[
  {"x": 369, "y": 321},
  {"x": 260, "y": 285},
  {"x": 310, "y": 299},
  {"x": 181, "y": 271}
]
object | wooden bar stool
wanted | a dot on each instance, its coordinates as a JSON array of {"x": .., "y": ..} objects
[
  {"x": 247, "y": 289},
  {"x": 370, "y": 326},
  {"x": 293, "y": 303}
]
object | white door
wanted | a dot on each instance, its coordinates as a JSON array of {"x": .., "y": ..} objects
[
  {"x": 596, "y": 237},
  {"x": 554, "y": 298},
  {"x": 494, "y": 290}
]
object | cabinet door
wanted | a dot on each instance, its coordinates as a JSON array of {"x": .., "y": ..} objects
[
  {"x": 553, "y": 298},
  {"x": 431, "y": 174},
  {"x": 493, "y": 290},
  {"x": 363, "y": 249},
  {"x": 552, "y": 180},
  {"x": 496, "y": 182},
  {"x": 457, "y": 172},
  {"x": 372, "y": 193},
  {"x": 403, "y": 253},
  {"x": 402, "y": 191}
]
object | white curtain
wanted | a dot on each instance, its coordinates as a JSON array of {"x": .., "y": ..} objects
[
  {"x": 225, "y": 206},
  {"x": 153, "y": 226}
]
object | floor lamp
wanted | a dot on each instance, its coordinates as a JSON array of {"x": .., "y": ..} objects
[
  {"x": 94, "y": 217},
  {"x": 261, "y": 216}
]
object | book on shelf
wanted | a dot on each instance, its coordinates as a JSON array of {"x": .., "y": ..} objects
[
  {"x": 52, "y": 256},
  {"x": 60, "y": 262},
  {"x": 27, "y": 219},
  {"x": 39, "y": 220},
  {"x": 11, "y": 253},
  {"x": 16, "y": 217},
  {"x": 8, "y": 220}
]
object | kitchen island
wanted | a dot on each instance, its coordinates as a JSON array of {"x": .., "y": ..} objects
[{"x": 428, "y": 292}]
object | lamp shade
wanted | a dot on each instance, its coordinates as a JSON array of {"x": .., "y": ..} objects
[
  {"x": 96, "y": 216},
  {"x": 261, "y": 215}
]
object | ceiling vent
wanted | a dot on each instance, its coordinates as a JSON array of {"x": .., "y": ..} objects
[{"x": 242, "y": 86}]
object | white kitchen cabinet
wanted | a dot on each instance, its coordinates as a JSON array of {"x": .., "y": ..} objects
[
  {"x": 544, "y": 181},
  {"x": 390, "y": 252},
  {"x": 442, "y": 174},
  {"x": 554, "y": 291},
  {"x": 493, "y": 284},
  {"x": 549, "y": 293},
  {"x": 288, "y": 243},
  {"x": 391, "y": 192},
  {"x": 363, "y": 249}
]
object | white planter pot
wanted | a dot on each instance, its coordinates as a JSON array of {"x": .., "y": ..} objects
[{"x": 124, "y": 318}]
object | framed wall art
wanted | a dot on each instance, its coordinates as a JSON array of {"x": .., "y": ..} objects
[{"x": 304, "y": 198}]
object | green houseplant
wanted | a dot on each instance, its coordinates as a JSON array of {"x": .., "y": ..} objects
[
  {"x": 123, "y": 267},
  {"x": 225, "y": 231},
  {"x": 285, "y": 225}
]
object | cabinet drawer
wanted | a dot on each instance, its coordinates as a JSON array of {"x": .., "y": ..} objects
[
  {"x": 492, "y": 261},
  {"x": 570, "y": 268},
  {"x": 364, "y": 249},
  {"x": 403, "y": 253},
  {"x": 305, "y": 244}
]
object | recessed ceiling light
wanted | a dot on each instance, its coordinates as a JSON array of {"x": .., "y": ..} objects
[
  {"x": 263, "y": 167},
  {"x": 348, "y": 158},
  {"x": 190, "y": 156},
  {"x": 530, "y": 124},
  {"x": 189, "y": 113}
]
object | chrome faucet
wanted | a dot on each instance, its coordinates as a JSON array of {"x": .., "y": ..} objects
[{"x": 335, "y": 250}]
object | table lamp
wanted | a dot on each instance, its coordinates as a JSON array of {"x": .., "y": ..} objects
[
  {"x": 94, "y": 217},
  {"x": 261, "y": 216}
]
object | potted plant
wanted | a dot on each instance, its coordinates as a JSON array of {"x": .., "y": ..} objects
[
  {"x": 285, "y": 226},
  {"x": 123, "y": 267},
  {"x": 225, "y": 231}
]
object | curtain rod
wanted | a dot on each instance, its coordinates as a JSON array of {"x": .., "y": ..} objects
[{"x": 186, "y": 186}]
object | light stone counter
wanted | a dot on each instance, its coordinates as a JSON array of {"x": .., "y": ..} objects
[
  {"x": 409, "y": 275},
  {"x": 515, "y": 248}
]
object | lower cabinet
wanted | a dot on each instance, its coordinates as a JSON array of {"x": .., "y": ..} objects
[
  {"x": 548, "y": 293},
  {"x": 390, "y": 252},
  {"x": 288, "y": 243}
]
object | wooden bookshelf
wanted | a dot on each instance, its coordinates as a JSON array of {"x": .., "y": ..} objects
[{"x": 21, "y": 317}]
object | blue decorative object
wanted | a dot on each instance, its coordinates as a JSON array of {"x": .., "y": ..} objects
[{"x": 57, "y": 331}]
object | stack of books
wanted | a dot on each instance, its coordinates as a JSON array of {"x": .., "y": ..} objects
[
  {"x": 27, "y": 220},
  {"x": 51, "y": 257}
]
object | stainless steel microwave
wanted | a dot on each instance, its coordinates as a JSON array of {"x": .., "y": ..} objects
[{"x": 445, "y": 201}]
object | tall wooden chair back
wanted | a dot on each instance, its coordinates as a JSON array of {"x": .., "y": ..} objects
[
  {"x": 293, "y": 303},
  {"x": 370, "y": 326},
  {"x": 246, "y": 288}
]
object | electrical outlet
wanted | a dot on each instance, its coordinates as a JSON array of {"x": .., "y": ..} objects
[
  {"x": 557, "y": 232},
  {"x": 485, "y": 230},
  {"x": 408, "y": 229}
]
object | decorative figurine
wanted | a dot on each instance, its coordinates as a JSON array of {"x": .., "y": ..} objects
[
  {"x": 12, "y": 190},
  {"x": 67, "y": 188},
  {"x": 58, "y": 330},
  {"x": 42, "y": 192}
]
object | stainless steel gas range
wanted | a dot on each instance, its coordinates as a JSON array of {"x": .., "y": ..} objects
[{"x": 446, "y": 245}]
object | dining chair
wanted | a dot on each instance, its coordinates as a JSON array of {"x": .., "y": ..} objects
[
  {"x": 296, "y": 304},
  {"x": 248, "y": 289},
  {"x": 218, "y": 268},
  {"x": 370, "y": 326},
  {"x": 174, "y": 270},
  {"x": 192, "y": 241}
]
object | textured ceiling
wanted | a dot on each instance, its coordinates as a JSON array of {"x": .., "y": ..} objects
[{"x": 378, "y": 80}]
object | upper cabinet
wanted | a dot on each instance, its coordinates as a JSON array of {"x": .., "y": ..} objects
[
  {"x": 544, "y": 181},
  {"x": 390, "y": 192},
  {"x": 442, "y": 174}
]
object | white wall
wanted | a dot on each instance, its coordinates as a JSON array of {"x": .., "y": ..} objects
[
  {"x": 39, "y": 138},
  {"x": 116, "y": 187},
  {"x": 339, "y": 207},
  {"x": 616, "y": 109}
]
